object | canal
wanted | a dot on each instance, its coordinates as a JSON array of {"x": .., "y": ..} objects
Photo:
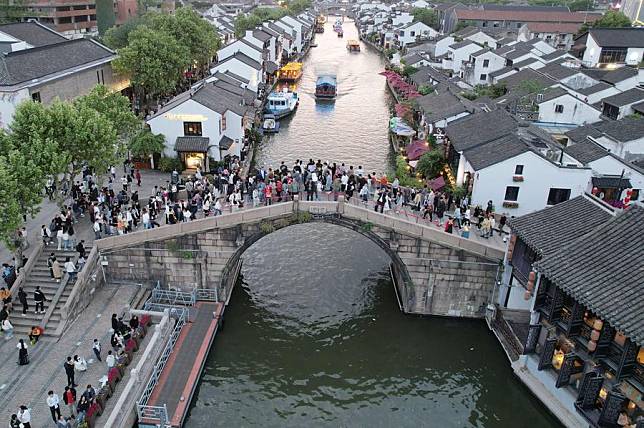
[
  {"x": 353, "y": 129},
  {"x": 313, "y": 335}
]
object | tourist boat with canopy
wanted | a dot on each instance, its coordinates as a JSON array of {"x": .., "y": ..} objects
[
  {"x": 340, "y": 33},
  {"x": 281, "y": 104},
  {"x": 270, "y": 124},
  {"x": 326, "y": 87},
  {"x": 291, "y": 72},
  {"x": 353, "y": 46}
]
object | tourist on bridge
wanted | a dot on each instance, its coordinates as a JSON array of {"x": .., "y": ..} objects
[
  {"x": 96, "y": 348},
  {"x": 53, "y": 401},
  {"x": 22, "y": 298},
  {"x": 23, "y": 354},
  {"x": 69, "y": 371},
  {"x": 24, "y": 416},
  {"x": 69, "y": 398},
  {"x": 70, "y": 268},
  {"x": 39, "y": 299}
]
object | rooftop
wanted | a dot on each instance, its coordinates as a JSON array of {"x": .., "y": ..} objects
[
  {"x": 631, "y": 37},
  {"x": 554, "y": 27},
  {"x": 33, "y": 33},
  {"x": 586, "y": 151},
  {"x": 625, "y": 98},
  {"x": 525, "y": 15},
  {"x": 604, "y": 270},
  {"x": 557, "y": 71},
  {"x": 495, "y": 151},
  {"x": 480, "y": 128}
]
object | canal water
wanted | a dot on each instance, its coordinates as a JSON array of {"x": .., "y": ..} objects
[
  {"x": 351, "y": 129},
  {"x": 313, "y": 337}
]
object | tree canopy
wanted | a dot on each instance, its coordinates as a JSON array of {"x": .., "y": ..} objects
[
  {"x": 431, "y": 163},
  {"x": 261, "y": 14},
  {"x": 612, "y": 19},
  {"x": 426, "y": 16},
  {"x": 145, "y": 143}
]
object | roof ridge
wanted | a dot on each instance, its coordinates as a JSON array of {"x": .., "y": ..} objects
[{"x": 599, "y": 203}]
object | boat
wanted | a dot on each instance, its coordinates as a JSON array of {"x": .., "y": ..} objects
[
  {"x": 281, "y": 104},
  {"x": 291, "y": 72},
  {"x": 326, "y": 87},
  {"x": 270, "y": 124},
  {"x": 314, "y": 45},
  {"x": 340, "y": 33},
  {"x": 353, "y": 46}
]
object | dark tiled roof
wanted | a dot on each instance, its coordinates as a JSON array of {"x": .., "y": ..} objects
[
  {"x": 412, "y": 58},
  {"x": 29, "y": 64},
  {"x": 527, "y": 74},
  {"x": 501, "y": 71},
  {"x": 586, "y": 151},
  {"x": 440, "y": 106},
  {"x": 495, "y": 151},
  {"x": 604, "y": 270},
  {"x": 33, "y": 33},
  {"x": 639, "y": 107},
  {"x": 619, "y": 37},
  {"x": 225, "y": 143},
  {"x": 627, "y": 129},
  {"x": 557, "y": 71},
  {"x": 611, "y": 182},
  {"x": 620, "y": 74},
  {"x": 601, "y": 86},
  {"x": 249, "y": 44},
  {"x": 625, "y": 98},
  {"x": 518, "y": 53},
  {"x": 581, "y": 133},
  {"x": 271, "y": 67},
  {"x": 261, "y": 35},
  {"x": 242, "y": 57},
  {"x": 192, "y": 144},
  {"x": 552, "y": 93},
  {"x": 462, "y": 44},
  {"x": 523, "y": 63},
  {"x": 546, "y": 230},
  {"x": 553, "y": 55},
  {"x": 479, "y": 128}
]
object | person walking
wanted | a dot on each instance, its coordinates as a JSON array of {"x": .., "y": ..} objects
[
  {"x": 14, "y": 422},
  {"x": 24, "y": 416},
  {"x": 56, "y": 271},
  {"x": 22, "y": 298},
  {"x": 69, "y": 371},
  {"x": 96, "y": 347},
  {"x": 23, "y": 355},
  {"x": 54, "y": 405},
  {"x": 69, "y": 398},
  {"x": 110, "y": 360},
  {"x": 70, "y": 269},
  {"x": 39, "y": 298},
  {"x": 7, "y": 329}
]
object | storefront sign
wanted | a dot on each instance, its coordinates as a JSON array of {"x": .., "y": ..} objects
[{"x": 186, "y": 117}]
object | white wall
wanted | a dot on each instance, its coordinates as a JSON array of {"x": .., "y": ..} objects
[
  {"x": 239, "y": 68},
  {"x": 298, "y": 27},
  {"x": 234, "y": 130},
  {"x": 539, "y": 176},
  {"x": 170, "y": 124},
  {"x": 608, "y": 165},
  {"x": 238, "y": 46},
  {"x": 460, "y": 55},
  {"x": 419, "y": 30},
  {"x": 592, "y": 52},
  {"x": 403, "y": 18},
  {"x": 626, "y": 149},
  {"x": 8, "y": 103},
  {"x": 297, "y": 38},
  {"x": 496, "y": 63},
  {"x": 481, "y": 38},
  {"x": 634, "y": 56},
  {"x": 443, "y": 45},
  {"x": 575, "y": 111}
]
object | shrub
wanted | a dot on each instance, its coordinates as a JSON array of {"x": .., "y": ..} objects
[
  {"x": 303, "y": 217},
  {"x": 425, "y": 89},
  {"x": 167, "y": 164},
  {"x": 431, "y": 163},
  {"x": 266, "y": 227}
]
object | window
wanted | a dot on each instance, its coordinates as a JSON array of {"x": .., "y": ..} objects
[
  {"x": 35, "y": 97},
  {"x": 102, "y": 77},
  {"x": 485, "y": 23},
  {"x": 518, "y": 170},
  {"x": 486, "y": 63},
  {"x": 635, "y": 195},
  {"x": 612, "y": 55},
  {"x": 559, "y": 108},
  {"x": 223, "y": 122},
  {"x": 412, "y": 34},
  {"x": 192, "y": 129},
  {"x": 483, "y": 77},
  {"x": 511, "y": 193},
  {"x": 402, "y": 33},
  {"x": 558, "y": 195},
  {"x": 98, "y": 77}
]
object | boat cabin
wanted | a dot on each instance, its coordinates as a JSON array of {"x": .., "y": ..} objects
[
  {"x": 353, "y": 46},
  {"x": 291, "y": 72},
  {"x": 326, "y": 87}
]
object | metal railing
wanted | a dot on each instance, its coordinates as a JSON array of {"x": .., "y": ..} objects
[
  {"x": 172, "y": 297},
  {"x": 207, "y": 294},
  {"x": 155, "y": 412}
]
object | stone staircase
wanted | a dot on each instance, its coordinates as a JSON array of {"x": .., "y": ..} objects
[{"x": 40, "y": 276}]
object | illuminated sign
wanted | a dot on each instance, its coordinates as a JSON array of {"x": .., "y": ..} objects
[{"x": 186, "y": 117}]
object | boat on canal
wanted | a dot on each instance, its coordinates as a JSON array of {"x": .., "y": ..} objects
[
  {"x": 270, "y": 125},
  {"x": 340, "y": 33},
  {"x": 291, "y": 72},
  {"x": 326, "y": 87},
  {"x": 281, "y": 104},
  {"x": 353, "y": 46}
]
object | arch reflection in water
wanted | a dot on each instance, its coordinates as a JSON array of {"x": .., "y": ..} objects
[{"x": 314, "y": 337}]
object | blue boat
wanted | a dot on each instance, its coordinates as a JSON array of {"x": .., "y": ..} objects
[
  {"x": 281, "y": 104},
  {"x": 270, "y": 125},
  {"x": 326, "y": 87}
]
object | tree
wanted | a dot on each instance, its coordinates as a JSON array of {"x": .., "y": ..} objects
[
  {"x": 116, "y": 37},
  {"x": 105, "y": 16},
  {"x": 189, "y": 29},
  {"x": 431, "y": 163},
  {"x": 611, "y": 19},
  {"x": 10, "y": 213},
  {"x": 154, "y": 60},
  {"x": 408, "y": 70},
  {"x": 145, "y": 143},
  {"x": 426, "y": 16},
  {"x": 114, "y": 107},
  {"x": 243, "y": 23}
]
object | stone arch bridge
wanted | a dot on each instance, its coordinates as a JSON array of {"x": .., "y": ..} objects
[{"x": 435, "y": 273}]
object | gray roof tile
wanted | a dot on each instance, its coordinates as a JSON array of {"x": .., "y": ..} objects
[
  {"x": 495, "y": 151},
  {"x": 586, "y": 151},
  {"x": 604, "y": 270},
  {"x": 192, "y": 144},
  {"x": 619, "y": 37},
  {"x": 33, "y": 33},
  {"x": 480, "y": 128}
]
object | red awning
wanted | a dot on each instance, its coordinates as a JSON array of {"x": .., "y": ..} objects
[
  {"x": 416, "y": 149},
  {"x": 437, "y": 183}
]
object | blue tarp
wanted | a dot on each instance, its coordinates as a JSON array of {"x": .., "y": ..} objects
[
  {"x": 399, "y": 127},
  {"x": 326, "y": 80}
]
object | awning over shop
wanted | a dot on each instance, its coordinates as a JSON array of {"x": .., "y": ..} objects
[
  {"x": 416, "y": 149},
  {"x": 611, "y": 182},
  {"x": 192, "y": 144},
  {"x": 225, "y": 143},
  {"x": 271, "y": 67},
  {"x": 399, "y": 127}
]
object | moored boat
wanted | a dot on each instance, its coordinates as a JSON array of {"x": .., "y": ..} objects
[
  {"x": 270, "y": 124},
  {"x": 281, "y": 104},
  {"x": 291, "y": 72},
  {"x": 340, "y": 33},
  {"x": 326, "y": 87},
  {"x": 353, "y": 46}
]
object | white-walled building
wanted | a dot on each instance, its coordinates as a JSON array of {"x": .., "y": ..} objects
[
  {"x": 413, "y": 32},
  {"x": 241, "y": 45},
  {"x": 476, "y": 71},
  {"x": 458, "y": 53},
  {"x": 241, "y": 65},
  {"x": 601, "y": 47}
]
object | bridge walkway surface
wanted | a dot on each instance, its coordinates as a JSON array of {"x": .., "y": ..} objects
[{"x": 181, "y": 373}]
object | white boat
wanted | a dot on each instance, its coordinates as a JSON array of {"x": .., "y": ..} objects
[
  {"x": 270, "y": 125},
  {"x": 281, "y": 104}
]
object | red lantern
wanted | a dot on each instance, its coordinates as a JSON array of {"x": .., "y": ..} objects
[{"x": 595, "y": 191}]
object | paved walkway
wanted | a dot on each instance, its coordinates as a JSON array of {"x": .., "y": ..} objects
[{"x": 29, "y": 384}]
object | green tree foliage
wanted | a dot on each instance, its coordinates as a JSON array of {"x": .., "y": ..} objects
[
  {"x": 154, "y": 60},
  {"x": 612, "y": 19},
  {"x": 425, "y": 89},
  {"x": 493, "y": 91},
  {"x": 116, "y": 37},
  {"x": 431, "y": 163},
  {"x": 256, "y": 17},
  {"x": 145, "y": 143},
  {"x": 408, "y": 70},
  {"x": 10, "y": 212},
  {"x": 295, "y": 7},
  {"x": 426, "y": 16},
  {"x": 105, "y": 16},
  {"x": 114, "y": 106},
  {"x": 531, "y": 86}
]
